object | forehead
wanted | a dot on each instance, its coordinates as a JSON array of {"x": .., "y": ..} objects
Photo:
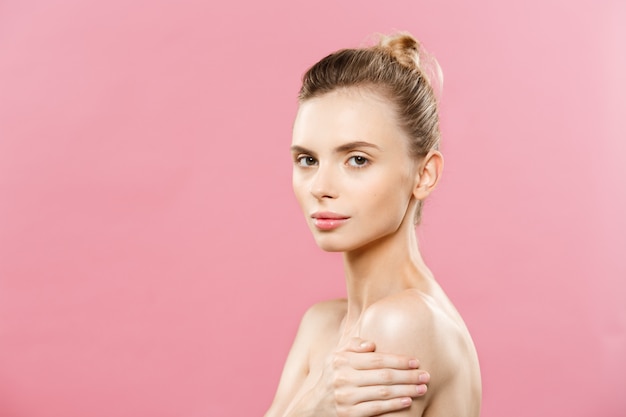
[{"x": 346, "y": 115}]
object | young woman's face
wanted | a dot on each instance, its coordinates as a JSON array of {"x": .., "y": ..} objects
[{"x": 353, "y": 174}]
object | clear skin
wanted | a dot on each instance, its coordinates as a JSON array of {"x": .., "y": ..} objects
[{"x": 357, "y": 356}]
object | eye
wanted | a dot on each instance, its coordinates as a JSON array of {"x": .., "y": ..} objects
[
  {"x": 306, "y": 161},
  {"x": 358, "y": 161}
]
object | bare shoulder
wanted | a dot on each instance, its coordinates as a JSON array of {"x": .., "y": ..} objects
[
  {"x": 322, "y": 318},
  {"x": 324, "y": 315},
  {"x": 328, "y": 309},
  {"x": 413, "y": 322},
  {"x": 416, "y": 324}
]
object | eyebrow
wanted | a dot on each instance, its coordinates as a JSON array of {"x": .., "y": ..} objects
[
  {"x": 357, "y": 144},
  {"x": 339, "y": 149}
]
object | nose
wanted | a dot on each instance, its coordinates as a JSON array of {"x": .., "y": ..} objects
[{"x": 322, "y": 183}]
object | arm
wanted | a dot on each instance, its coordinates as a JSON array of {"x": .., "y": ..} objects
[
  {"x": 296, "y": 366},
  {"x": 414, "y": 326},
  {"x": 346, "y": 384}
]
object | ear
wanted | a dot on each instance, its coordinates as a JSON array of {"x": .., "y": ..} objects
[{"x": 428, "y": 174}]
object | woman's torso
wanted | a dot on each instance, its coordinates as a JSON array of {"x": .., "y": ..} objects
[{"x": 457, "y": 381}]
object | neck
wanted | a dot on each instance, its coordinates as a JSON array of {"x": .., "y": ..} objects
[{"x": 387, "y": 266}]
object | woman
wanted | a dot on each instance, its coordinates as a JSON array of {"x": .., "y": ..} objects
[{"x": 365, "y": 152}]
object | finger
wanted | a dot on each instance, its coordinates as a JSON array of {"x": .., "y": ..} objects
[
  {"x": 370, "y": 377},
  {"x": 378, "y": 393},
  {"x": 356, "y": 344},
  {"x": 375, "y": 408},
  {"x": 375, "y": 360}
]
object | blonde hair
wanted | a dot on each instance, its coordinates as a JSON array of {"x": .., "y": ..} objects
[{"x": 399, "y": 68}]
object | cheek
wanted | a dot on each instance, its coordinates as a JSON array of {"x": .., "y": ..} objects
[{"x": 390, "y": 195}]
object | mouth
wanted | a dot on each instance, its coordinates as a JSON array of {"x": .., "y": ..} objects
[{"x": 328, "y": 220}]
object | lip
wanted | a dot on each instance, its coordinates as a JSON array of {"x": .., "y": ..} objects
[{"x": 327, "y": 220}]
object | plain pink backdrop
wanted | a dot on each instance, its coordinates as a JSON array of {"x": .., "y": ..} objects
[{"x": 153, "y": 261}]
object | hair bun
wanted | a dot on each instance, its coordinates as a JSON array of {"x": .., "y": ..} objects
[
  {"x": 404, "y": 48},
  {"x": 410, "y": 53}
]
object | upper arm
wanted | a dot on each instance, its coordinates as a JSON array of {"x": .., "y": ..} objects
[{"x": 409, "y": 326}]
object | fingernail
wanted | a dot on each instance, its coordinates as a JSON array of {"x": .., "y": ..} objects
[
  {"x": 364, "y": 344},
  {"x": 421, "y": 389},
  {"x": 425, "y": 377},
  {"x": 406, "y": 401},
  {"x": 413, "y": 363}
]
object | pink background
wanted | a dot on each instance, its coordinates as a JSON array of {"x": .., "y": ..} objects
[{"x": 153, "y": 261}]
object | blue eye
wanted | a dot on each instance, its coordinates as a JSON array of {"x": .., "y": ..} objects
[
  {"x": 358, "y": 161},
  {"x": 306, "y": 161}
]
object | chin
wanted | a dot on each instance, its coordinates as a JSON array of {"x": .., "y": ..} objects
[
  {"x": 332, "y": 249},
  {"x": 331, "y": 242},
  {"x": 330, "y": 246}
]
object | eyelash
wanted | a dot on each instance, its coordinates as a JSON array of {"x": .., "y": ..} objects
[
  {"x": 360, "y": 157},
  {"x": 301, "y": 160}
]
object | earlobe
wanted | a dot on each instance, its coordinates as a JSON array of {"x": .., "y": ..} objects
[{"x": 428, "y": 174}]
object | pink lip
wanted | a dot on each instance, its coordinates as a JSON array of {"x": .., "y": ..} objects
[{"x": 328, "y": 220}]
